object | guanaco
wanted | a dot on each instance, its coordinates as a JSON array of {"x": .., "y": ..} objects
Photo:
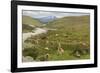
[{"x": 60, "y": 49}]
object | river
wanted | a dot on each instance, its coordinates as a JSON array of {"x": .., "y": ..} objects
[{"x": 36, "y": 31}]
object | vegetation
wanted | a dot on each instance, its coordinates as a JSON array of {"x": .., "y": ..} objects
[
  {"x": 30, "y": 21},
  {"x": 26, "y": 28},
  {"x": 70, "y": 40}
]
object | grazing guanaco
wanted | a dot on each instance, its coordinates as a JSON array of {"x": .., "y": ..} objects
[
  {"x": 60, "y": 49},
  {"x": 47, "y": 41},
  {"x": 47, "y": 56},
  {"x": 36, "y": 41},
  {"x": 85, "y": 46},
  {"x": 44, "y": 57}
]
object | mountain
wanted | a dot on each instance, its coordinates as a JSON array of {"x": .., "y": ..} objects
[
  {"x": 30, "y": 21},
  {"x": 47, "y": 19}
]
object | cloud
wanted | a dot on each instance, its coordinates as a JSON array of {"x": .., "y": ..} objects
[{"x": 40, "y": 14}]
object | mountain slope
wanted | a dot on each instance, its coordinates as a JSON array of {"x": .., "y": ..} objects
[
  {"x": 69, "y": 21},
  {"x": 30, "y": 21},
  {"x": 27, "y": 28},
  {"x": 76, "y": 27}
]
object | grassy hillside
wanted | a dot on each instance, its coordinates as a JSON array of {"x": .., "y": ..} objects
[
  {"x": 26, "y": 28},
  {"x": 30, "y": 21},
  {"x": 72, "y": 34},
  {"x": 70, "y": 21},
  {"x": 75, "y": 28}
]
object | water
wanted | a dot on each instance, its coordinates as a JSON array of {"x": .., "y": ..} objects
[{"x": 35, "y": 32}]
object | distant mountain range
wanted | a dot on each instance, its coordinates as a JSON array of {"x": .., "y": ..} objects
[{"x": 47, "y": 19}]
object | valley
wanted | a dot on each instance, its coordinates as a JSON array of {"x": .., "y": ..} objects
[{"x": 66, "y": 38}]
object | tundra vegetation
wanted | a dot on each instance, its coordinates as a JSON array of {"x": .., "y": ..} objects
[{"x": 69, "y": 41}]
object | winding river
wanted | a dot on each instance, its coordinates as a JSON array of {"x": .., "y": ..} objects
[{"x": 37, "y": 31}]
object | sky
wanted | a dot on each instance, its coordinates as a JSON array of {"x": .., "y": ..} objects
[{"x": 40, "y": 14}]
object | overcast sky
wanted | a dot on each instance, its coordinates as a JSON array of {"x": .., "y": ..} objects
[{"x": 40, "y": 14}]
